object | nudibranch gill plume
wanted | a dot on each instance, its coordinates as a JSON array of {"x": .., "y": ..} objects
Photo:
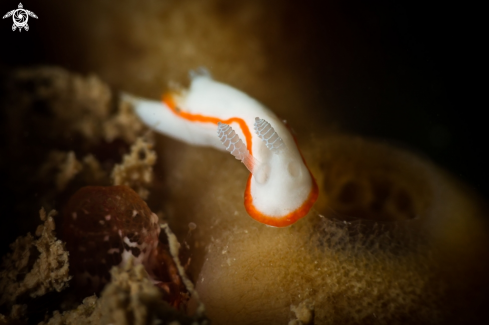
[{"x": 280, "y": 189}]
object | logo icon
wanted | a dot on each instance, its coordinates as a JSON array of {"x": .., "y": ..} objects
[{"x": 20, "y": 17}]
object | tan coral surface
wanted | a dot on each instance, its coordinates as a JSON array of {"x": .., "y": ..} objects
[{"x": 391, "y": 249}]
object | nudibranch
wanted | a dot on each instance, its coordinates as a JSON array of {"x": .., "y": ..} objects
[{"x": 280, "y": 189}]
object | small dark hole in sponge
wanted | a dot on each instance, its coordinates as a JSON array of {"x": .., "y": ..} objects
[
  {"x": 404, "y": 203},
  {"x": 349, "y": 193},
  {"x": 381, "y": 191}
]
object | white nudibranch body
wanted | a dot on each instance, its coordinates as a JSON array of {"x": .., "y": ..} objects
[{"x": 280, "y": 189}]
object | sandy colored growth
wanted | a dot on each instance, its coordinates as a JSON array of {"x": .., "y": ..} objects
[
  {"x": 60, "y": 153},
  {"x": 130, "y": 298},
  {"x": 36, "y": 266},
  {"x": 362, "y": 258},
  {"x": 64, "y": 131},
  {"x": 262, "y": 272},
  {"x": 136, "y": 169}
]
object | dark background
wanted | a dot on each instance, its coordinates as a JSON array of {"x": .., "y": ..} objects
[{"x": 406, "y": 73}]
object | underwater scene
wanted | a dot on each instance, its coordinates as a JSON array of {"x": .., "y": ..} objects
[{"x": 240, "y": 162}]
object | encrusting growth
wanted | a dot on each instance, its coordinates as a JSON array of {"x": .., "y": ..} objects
[{"x": 36, "y": 266}]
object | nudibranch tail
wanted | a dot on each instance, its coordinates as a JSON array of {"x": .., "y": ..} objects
[
  {"x": 235, "y": 145},
  {"x": 267, "y": 133}
]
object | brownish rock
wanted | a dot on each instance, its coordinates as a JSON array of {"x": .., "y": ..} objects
[{"x": 103, "y": 227}]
